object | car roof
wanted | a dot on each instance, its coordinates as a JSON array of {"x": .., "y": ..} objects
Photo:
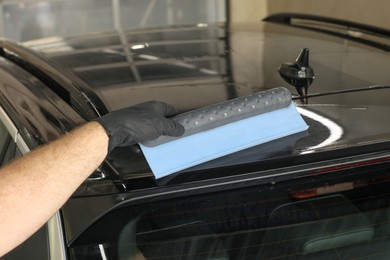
[{"x": 192, "y": 67}]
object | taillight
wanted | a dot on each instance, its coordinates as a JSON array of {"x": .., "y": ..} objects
[
  {"x": 342, "y": 186},
  {"x": 350, "y": 165}
]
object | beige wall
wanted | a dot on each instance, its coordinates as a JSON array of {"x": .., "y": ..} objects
[
  {"x": 374, "y": 12},
  {"x": 248, "y": 10}
]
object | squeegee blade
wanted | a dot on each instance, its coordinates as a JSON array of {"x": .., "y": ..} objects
[{"x": 182, "y": 153}]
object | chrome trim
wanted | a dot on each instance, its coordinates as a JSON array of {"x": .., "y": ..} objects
[
  {"x": 21, "y": 144},
  {"x": 56, "y": 238},
  {"x": 13, "y": 131}
]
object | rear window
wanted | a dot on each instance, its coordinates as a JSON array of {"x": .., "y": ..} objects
[{"x": 340, "y": 215}]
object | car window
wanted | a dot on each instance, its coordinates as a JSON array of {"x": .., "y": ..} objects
[
  {"x": 9, "y": 149},
  {"x": 13, "y": 152},
  {"x": 336, "y": 216},
  {"x": 35, "y": 247},
  {"x": 4, "y": 136}
]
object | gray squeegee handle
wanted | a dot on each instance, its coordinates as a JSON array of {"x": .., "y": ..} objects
[{"x": 226, "y": 112}]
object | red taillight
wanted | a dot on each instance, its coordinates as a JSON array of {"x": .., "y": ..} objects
[
  {"x": 350, "y": 165},
  {"x": 313, "y": 192},
  {"x": 343, "y": 186}
]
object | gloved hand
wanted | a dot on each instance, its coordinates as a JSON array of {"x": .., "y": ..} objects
[{"x": 139, "y": 123}]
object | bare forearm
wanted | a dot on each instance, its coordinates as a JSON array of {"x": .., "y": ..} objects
[{"x": 34, "y": 187}]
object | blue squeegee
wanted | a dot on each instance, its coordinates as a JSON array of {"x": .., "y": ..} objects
[{"x": 224, "y": 128}]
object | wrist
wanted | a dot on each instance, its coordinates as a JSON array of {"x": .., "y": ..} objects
[{"x": 96, "y": 131}]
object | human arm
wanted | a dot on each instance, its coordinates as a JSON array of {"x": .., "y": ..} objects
[{"x": 35, "y": 186}]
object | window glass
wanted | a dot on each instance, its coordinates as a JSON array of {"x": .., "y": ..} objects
[
  {"x": 8, "y": 148},
  {"x": 18, "y": 153},
  {"x": 3, "y": 134},
  {"x": 34, "y": 248},
  {"x": 12, "y": 152},
  {"x": 5, "y": 142},
  {"x": 343, "y": 215},
  {"x": 9, "y": 153}
]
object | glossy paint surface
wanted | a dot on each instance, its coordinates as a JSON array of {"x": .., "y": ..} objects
[
  {"x": 40, "y": 115},
  {"x": 195, "y": 66}
]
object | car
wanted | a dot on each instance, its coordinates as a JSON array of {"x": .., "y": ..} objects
[{"x": 319, "y": 194}]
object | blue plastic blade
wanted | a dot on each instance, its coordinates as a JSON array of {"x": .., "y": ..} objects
[{"x": 204, "y": 146}]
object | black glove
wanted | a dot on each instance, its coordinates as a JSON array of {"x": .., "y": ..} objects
[{"x": 140, "y": 123}]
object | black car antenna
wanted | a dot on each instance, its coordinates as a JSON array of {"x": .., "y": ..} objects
[
  {"x": 300, "y": 75},
  {"x": 335, "y": 92}
]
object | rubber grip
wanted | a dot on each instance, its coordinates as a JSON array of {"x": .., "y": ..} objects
[{"x": 229, "y": 111}]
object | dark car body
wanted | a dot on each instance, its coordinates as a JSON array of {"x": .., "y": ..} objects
[{"x": 318, "y": 194}]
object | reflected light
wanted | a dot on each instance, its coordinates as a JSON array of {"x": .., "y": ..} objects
[
  {"x": 336, "y": 132},
  {"x": 139, "y": 46},
  {"x": 208, "y": 71},
  {"x": 202, "y": 25},
  {"x": 148, "y": 57},
  {"x": 49, "y": 44},
  {"x": 184, "y": 65},
  {"x": 102, "y": 252}
]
